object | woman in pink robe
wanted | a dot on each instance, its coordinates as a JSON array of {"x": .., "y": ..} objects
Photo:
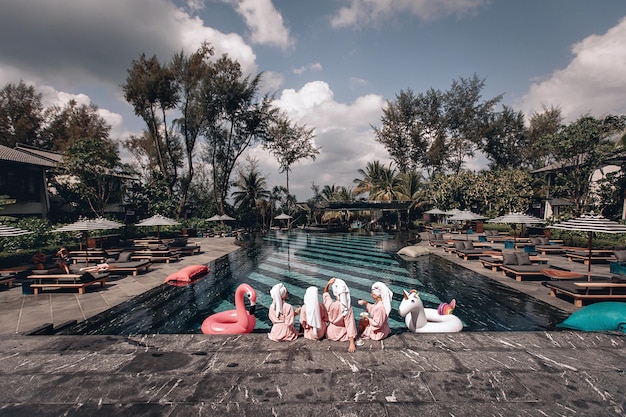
[
  {"x": 313, "y": 315},
  {"x": 341, "y": 326},
  {"x": 375, "y": 325},
  {"x": 282, "y": 316}
]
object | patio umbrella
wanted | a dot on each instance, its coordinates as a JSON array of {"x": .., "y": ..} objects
[
  {"x": 214, "y": 218},
  {"x": 158, "y": 221},
  {"x": 6, "y": 231},
  {"x": 226, "y": 218},
  {"x": 85, "y": 225},
  {"x": 283, "y": 216},
  {"x": 467, "y": 216},
  {"x": 435, "y": 211},
  {"x": 590, "y": 223},
  {"x": 514, "y": 219}
]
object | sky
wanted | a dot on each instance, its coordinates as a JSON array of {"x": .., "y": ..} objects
[{"x": 332, "y": 65}]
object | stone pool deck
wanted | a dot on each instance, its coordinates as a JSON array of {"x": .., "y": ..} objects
[{"x": 463, "y": 374}]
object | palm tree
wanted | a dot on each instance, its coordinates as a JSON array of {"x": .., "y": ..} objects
[
  {"x": 387, "y": 186},
  {"x": 369, "y": 179},
  {"x": 250, "y": 190}
]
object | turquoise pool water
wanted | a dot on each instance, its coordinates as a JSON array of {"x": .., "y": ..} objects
[{"x": 300, "y": 259}]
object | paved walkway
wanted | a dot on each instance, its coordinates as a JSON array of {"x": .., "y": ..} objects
[{"x": 463, "y": 374}]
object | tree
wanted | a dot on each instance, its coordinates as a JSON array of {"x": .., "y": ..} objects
[
  {"x": 289, "y": 143},
  {"x": 21, "y": 115},
  {"x": 578, "y": 149},
  {"x": 72, "y": 122},
  {"x": 436, "y": 131},
  {"x": 251, "y": 189},
  {"x": 542, "y": 125},
  {"x": 93, "y": 182},
  {"x": 506, "y": 139},
  {"x": 152, "y": 91},
  {"x": 381, "y": 182},
  {"x": 467, "y": 118},
  {"x": 190, "y": 73},
  {"x": 236, "y": 118}
]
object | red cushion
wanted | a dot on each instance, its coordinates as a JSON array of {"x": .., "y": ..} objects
[{"x": 187, "y": 275}]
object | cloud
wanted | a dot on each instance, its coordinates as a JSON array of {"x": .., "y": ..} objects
[
  {"x": 342, "y": 130},
  {"x": 373, "y": 12},
  {"x": 90, "y": 42},
  {"x": 315, "y": 66},
  {"x": 265, "y": 22},
  {"x": 593, "y": 82}
]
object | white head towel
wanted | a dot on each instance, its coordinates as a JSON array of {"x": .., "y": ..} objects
[
  {"x": 277, "y": 292},
  {"x": 341, "y": 290},
  {"x": 382, "y": 291},
  {"x": 312, "y": 308}
]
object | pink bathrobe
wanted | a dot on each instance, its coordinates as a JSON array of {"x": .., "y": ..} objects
[
  {"x": 340, "y": 328},
  {"x": 283, "y": 328},
  {"x": 310, "y": 332},
  {"x": 378, "y": 327}
]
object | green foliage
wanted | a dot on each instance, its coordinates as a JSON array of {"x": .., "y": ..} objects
[
  {"x": 21, "y": 115},
  {"x": 436, "y": 130},
  {"x": 90, "y": 164}
]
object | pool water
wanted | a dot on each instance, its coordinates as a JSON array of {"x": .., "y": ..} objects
[{"x": 300, "y": 259}]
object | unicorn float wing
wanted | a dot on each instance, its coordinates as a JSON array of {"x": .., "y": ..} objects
[{"x": 428, "y": 320}]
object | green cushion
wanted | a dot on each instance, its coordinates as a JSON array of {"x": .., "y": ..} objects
[{"x": 603, "y": 316}]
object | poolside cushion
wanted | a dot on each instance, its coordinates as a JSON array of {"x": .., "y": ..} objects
[
  {"x": 602, "y": 316},
  {"x": 413, "y": 251},
  {"x": 124, "y": 256},
  {"x": 535, "y": 240},
  {"x": 544, "y": 240},
  {"x": 509, "y": 259},
  {"x": 468, "y": 244},
  {"x": 523, "y": 258},
  {"x": 459, "y": 245}
]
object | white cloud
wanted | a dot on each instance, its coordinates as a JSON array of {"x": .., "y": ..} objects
[
  {"x": 593, "y": 83},
  {"x": 315, "y": 66},
  {"x": 373, "y": 12},
  {"x": 265, "y": 22},
  {"x": 342, "y": 130}
]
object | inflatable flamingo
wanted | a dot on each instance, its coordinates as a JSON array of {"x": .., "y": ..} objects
[
  {"x": 427, "y": 320},
  {"x": 233, "y": 321}
]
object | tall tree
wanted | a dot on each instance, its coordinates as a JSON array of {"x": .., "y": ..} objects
[
  {"x": 94, "y": 182},
  {"x": 152, "y": 91},
  {"x": 21, "y": 115},
  {"x": 505, "y": 140},
  {"x": 71, "y": 122},
  {"x": 190, "y": 73},
  {"x": 436, "y": 131},
  {"x": 541, "y": 125},
  {"x": 467, "y": 118},
  {"x": 251, "y": 189},
  {"x": 236, "y": 119},
  {"x": 289, "y": 143}
]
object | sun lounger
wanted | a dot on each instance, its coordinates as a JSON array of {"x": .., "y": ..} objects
[
  {"x": 523, "y": 271},
  {"x": 8, "y": 281},
  {"x": 596, "y": 256},
  {"x": 588, "y": 290},
  {"x": 77, "y": 281},
  {"x": 156, "y": 256}
]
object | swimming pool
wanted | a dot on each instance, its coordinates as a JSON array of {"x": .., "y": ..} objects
[{"x": 300, "y": 259}]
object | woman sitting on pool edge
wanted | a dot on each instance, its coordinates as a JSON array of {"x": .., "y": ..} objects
[
  {"x": 282, "y": 316},
  {"x": 341, "y": 326},
  {"x": 313, "y": 316},
  {"x": 375, "y": 324}
]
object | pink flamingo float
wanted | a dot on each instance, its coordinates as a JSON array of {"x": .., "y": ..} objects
[{"x": 236, "y": 321}]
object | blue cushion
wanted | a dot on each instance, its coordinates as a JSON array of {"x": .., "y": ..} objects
[{"x": 603, "y": 316}]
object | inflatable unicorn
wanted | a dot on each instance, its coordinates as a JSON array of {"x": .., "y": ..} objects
[{"x": 428, "y": 320}]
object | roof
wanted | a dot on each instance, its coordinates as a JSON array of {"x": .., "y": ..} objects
[
  {"x": 364, "y": 205},
  {"x": 55, "y": 157},
  {"x": 18, "y": 156}
]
